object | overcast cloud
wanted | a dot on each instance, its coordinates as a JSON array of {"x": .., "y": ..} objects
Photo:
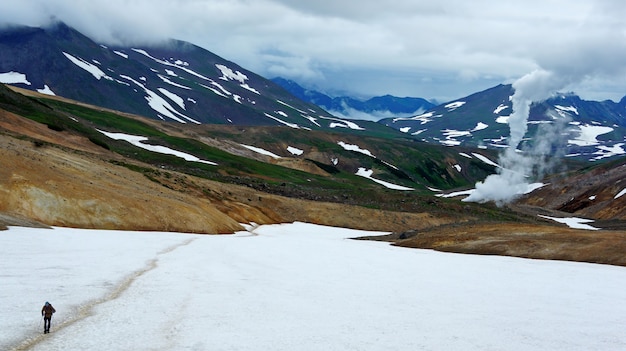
[{"x": 442, "y": 49}]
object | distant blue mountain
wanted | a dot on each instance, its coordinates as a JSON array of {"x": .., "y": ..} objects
[{"x": 375, "y": 108}]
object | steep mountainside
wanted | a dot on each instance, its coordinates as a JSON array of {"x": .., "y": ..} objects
[
  {"x": 379, "y": 106},
  {"x": 585, "y": 130}
]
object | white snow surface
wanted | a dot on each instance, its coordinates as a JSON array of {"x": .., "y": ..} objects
[
  {"x": 260, "y": 151},
  {"x": 588, "y": 135},
  {"x": 137, "y": 140},
  {"x": 294, "y": 287},
  {"x": 13, "y": 78},
  {"x": 356, "y": 148},
  {"x": 573, "y": 222},
  {"x": 367, "y": 173},
  {"x": 94, "y": 70},
  {"x": 295, "y": 151},
  {"x": 46, "y": 90}
]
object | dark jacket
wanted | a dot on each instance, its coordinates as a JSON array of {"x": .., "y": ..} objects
[{"x": 47, "y": 310}]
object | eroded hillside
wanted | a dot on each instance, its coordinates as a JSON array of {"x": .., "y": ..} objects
[{"x": 58, "y": 176}]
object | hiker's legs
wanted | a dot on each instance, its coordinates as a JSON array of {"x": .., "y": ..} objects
[{"x": 46, "y": 324}]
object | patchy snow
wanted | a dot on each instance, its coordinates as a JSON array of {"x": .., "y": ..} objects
[
  {"x": 500, "y": 108},
  {"x": 293, "y": 287},
  {"x": 352, "y": 147},
  {"x": 260, "y": 150},
  {"x": 588, "y": 135},
  {"x": 367, "y": 173},
  {"x": 573, "y": 222},
  {"x": 160, "y": 105},
  {"x": 423, "y": 118},
  {"x": 567, "y": 108},
  {"x": 458, "y": 168},
  {"x": 457, "y": 193},
  {"x": 405, "y": 129},
  {"x": 480, "y": 126},
  {"x": 228, "y": 74},
  {"x": 121, "y": 54},
  {"x": 216, "y": 91},
  {"x": 592, "y": 197},
  {"x": 138, "y": 141},
  {"x": 485, "y": 159},
  {"x": 46, "y": 90},
  {"x": 168, "y": 81},
  {"x": 620, "y": 193},
  {"x": 334, "y": 161},
  {"x": 94, "y": 70},
  {"x": 295, "y": 150},
  {"x": 609, "y": 151},
  {"x": 175, "y": 98},
  {"x": 247, "y": 87},
  {"x": 167, "y": 63},
  {"x": 532, "y": 187},
  {"x": 454, "y": 105},
  {"x": 13, "y": 78},
  {"x": 465, "y": 155},
  {"x": 342, "y": 123},
  {"x": 503, "y": 119},
  {"x": 292, "y": 125}
]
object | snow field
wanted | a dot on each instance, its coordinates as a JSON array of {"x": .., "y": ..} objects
[{"x": 296, "y": 286}]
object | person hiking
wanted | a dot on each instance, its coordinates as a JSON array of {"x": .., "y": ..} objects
[{"x": 46, "y": 311}]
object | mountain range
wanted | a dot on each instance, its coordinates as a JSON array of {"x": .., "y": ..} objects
[
  {"x": 175, "y": 138},
  {"x": 580, "y": 129},
  {"x": 374, "y": 108},
  {"x": 178, "y": 81},
  {"x": 174, "y": 81}
]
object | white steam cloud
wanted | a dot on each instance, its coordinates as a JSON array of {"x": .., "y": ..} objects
[
  {"x": 519, "y": 168},
  {"x": 595, "y": 54}
]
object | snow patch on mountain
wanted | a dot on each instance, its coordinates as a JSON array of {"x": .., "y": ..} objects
[
  {"x": 567, "y": 108},
  {"x": 46, "y": 90},
  {"x": 159, "y": 104},
  {"x": 92, "y": 69},
  {"x": 454, "y": 105},
  {"x": 13, "y": 78},
  {"x": 367, "y": 173},
  {"x": 356, "y": 148},
  {"x": 168, "y": 81},
  {"x": 121, "y": 54},
  {"x": 500, "y": 108},
  {"x": 295, "y": 150},
  {"x": 291, "y": 125},
  {"x": 573, "y": 222},
  {"x": 138, "y": 141},
  {"x": 588, "y": 135},
  {"x": 260, "y": 151}
]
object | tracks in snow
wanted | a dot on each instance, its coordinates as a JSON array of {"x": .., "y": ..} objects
[{"x": 86, "y": 309}]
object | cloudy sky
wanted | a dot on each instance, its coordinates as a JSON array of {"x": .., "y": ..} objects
[{"x": 442, "y": 49}]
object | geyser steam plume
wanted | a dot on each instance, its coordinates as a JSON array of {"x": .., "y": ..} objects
[{"x": 512, "y": 178}]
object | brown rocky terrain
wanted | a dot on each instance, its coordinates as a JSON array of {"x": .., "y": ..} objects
[{"x": 59, "y": 178}]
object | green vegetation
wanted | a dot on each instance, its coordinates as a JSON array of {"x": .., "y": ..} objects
[{"x": 397, "y": 160}]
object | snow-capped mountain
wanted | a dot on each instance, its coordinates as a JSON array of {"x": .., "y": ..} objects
[
  {"x": 588, "y": 130},
  {"x": 374, "y": 108},
  {"x": 176, "y": 81}
]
